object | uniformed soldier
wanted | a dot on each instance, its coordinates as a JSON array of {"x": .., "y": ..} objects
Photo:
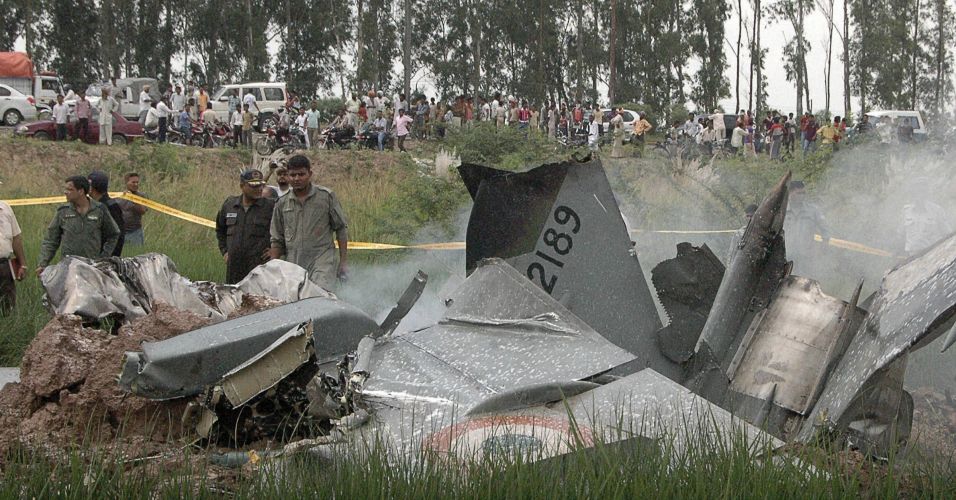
[
  {"x": 303, "y": 223},
  {"x": 83, "y": 227},
  {"x": 99, "y": 191},
  {"x": 242, "y": 227}
]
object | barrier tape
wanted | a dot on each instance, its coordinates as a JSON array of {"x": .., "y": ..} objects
[{"x": 451, "y": 245}]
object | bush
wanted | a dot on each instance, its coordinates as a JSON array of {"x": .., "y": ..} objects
[{"x": 507, "y": 148}]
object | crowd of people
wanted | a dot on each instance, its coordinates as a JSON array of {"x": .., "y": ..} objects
[{"x": 257, "y": 225}]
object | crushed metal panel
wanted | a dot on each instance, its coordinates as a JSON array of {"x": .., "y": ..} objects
[
  {"x": 404, "y": 304},
  {"x": 648, "y": 404},
  {"x": 90, "y": 289},
  {"x": 281, "y": 280},
  {"x": 642, "y": 405},
  {"x": 915, "y": 304},
  {"x": 561, "y": 228},
  {"x": 266, "y": 369},
  {"x": 154, "y": 277},
  {"x": 790, "y": 345},
  {"x": 185, "y": 364},
  {"x": 500, "y": 333}
]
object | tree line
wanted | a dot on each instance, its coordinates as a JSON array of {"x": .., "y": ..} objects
[{"x": 897, "y": 53}]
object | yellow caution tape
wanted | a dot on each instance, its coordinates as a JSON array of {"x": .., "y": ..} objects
[
  {"x": 35, "y": 201},
  {"x": 451, "y": 245},
  {"x": 159, "y": 207},
  {"x": 854, "y": 246}
]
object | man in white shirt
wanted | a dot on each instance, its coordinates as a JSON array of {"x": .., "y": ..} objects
[
  {"x": 352, "y": 106},
  {"x": 719, "y": 127},
  {"x": 236, "y": 122},
  {"x": 61, "y": 115},
  {"x": 106, "y": 107},
  {"x": 485, "y": 110},
  {"x": 163, "y": 111},
  {"x": 208, "y": 116},
  {"x": 145, "y": 102},
  {"x": 250, "y": 100},
  {"x": 11, "y": 270},
  {"x": 301, "y": 121},
  {"x": 737, "y": 139},
  {"x": 379, "y": 126},
  {"x": 178, "y": 101}
]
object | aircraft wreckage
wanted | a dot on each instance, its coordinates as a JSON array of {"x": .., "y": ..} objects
[{"x": 554, "y": 342}]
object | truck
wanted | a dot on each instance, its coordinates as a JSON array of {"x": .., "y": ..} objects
[{"x": 18, "y": 71}]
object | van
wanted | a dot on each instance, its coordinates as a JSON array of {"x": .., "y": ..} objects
[
  {"x": 916, "y": 118},
  {"x": 269, "y": 97}
]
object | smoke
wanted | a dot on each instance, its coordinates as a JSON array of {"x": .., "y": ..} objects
[
  {"x": 880, "y": 196},
  {"x": 377, "y": 281}
]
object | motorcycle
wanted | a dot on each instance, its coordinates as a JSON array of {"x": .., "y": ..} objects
[
  {"x": 218, "y": 135},
  {"x": 272, "y": 140},
  {"x": 368, "y": 138},
  {"x": 339, "y": 137}
]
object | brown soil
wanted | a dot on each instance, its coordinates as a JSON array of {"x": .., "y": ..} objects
[
  {"x": 68, "y": 394},
  {"x": 934, "y": 423}
]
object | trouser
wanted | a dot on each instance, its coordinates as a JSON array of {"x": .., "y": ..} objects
[
  {"x": 381, "y": 141},
  {"x": 8, "y": 287},
  {"x": 82, "y": 124},
  {"x": 162, "y": 129},
  {"x": 401, "y": 143},
  {"x": 806, "y": 145},
  {"x": 61, "y": 131},
  {"x": 135, "y": 237},
  {"x": 308, "y": 140},
  {"x": 775, "y": 148},
  {"x": 247, "y": 138},
  {"x": 313, "y": 137},
  {"x": 419, "y": 127},
  {"x": 236, "y": 135},
  {"x": 106, "y": 132}
]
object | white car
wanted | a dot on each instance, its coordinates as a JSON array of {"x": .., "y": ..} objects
[
  {"x": 269, "y": 98},
  {"x": 16, "y": 107},
  {"x": 915, "y": 118}
]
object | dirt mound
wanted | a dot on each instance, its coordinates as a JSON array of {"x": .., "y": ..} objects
[
  {"x": 68, "y": 392},
  {"x": 934, "y": 422}
]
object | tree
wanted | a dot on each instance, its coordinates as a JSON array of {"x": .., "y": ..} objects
[{"x": 707, "y": 44}]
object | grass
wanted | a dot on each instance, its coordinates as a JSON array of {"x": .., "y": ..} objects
[{"x": 711, "y": 465}]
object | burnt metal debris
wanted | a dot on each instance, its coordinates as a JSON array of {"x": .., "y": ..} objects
[{"x": 554, "y": 342}]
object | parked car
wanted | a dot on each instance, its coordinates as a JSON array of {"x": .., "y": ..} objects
[
  {"x": 916, "y": 118},
  {"x": 16, "y": 107},
  {"x": 18, "y": 72},
  {"x": 126, "y": 93},
  {"x": 124, "y": 131},
  {"x": 269, "y": 97}
]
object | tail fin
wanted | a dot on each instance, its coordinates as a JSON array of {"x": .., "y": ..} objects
[{"x": 560, "y": 226}]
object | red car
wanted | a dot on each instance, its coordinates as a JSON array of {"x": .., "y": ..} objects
[{"x": 124, "y": 130}]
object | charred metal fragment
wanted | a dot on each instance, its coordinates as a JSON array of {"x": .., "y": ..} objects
[
  {"x": 404, "y": 305},
  {"x": 686, "y": 287}
]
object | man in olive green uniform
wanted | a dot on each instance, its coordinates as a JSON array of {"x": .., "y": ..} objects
[
  {"x": 302, "y": 226},
  {"x": 242, "y": 227},
  {"x": 83, "y": 227}
]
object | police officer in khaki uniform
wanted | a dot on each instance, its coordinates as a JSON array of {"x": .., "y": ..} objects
[
  {"x": 83, "y": 227},
  {"x": 242, "y": 227},
  {"x": 303, "y": 223}
]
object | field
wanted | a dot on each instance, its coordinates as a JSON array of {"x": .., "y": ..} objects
[{"x": 390, "y": 198}]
